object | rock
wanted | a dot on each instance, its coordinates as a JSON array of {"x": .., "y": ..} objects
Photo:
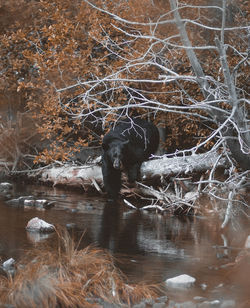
[
  {"x": 199, "y": 299},
  {"x": 41, "y": 203},
  {"x": 8, "y": 264},
  {"x": 209, "y": 304},
  {"x": 49, "y": 205},
  {"x": 14, "y": 202},
  {"x": 19, "y": 202},
  {"x": 247, "y": 243},
  {"x": 203, "y": 286},
  {"x": 73, "y": 210},
  {"x": 38, "y": 225},
  {"x": 5, "y": 186},
  {"x": 44, "y": 204},
  {"x": 29, "y": 203},
  {"x": 23, "y": 198},
  {"x": 182, "y": 281}
]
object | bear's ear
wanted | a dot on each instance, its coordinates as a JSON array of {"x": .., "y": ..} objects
[{"x": 105, "y": 146}]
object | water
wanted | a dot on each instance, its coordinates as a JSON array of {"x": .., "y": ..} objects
[{"x": 147, "y": 246}]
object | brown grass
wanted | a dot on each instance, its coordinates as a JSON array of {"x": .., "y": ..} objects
[{"x": 67, "y": 277}]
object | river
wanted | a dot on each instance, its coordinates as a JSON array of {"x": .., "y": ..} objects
[{"x": 147, "y": 246}]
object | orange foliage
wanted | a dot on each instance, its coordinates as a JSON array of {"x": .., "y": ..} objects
[{"x": 53, "y": 45}]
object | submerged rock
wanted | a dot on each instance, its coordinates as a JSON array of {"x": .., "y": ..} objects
[
  {"x": 19, "y": 202},
  {"x": 31, "y": 201},
  {"x": 182, "y": 281},
  {"x": 38, "y": 225}
]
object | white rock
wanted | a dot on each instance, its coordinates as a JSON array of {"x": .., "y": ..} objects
[
  {"x": 247, "y": 243},
  {"x": 38, "y": 225},
  {"x": 5, "y": 186},
  {"x": 8, "y": 263},
  {"x": 182, "y": 281},
  {"x": 41, "y": 202},
  {"x": 29, "y": 202}
]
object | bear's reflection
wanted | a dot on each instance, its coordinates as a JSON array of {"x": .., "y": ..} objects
[{"x": 118, "y": 234}]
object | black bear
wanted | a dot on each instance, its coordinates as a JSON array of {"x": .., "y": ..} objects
[{"x": 125, "y": 147}]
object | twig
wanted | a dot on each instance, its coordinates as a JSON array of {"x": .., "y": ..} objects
[
  {"x": 129, "y": 204},
  {"x": 97, "y": 187},
  {"x": 155, "y": 206}
]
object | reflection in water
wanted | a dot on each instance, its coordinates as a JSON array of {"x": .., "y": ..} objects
[
  {"x": 119, "y": 234},
  {"x": 36, "y": 237},
  {"x": 110, "y": 223},
  {"x": 147, "y": 246}
]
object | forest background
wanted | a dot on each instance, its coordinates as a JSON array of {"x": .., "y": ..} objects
[{"x": 70, "y": 69}]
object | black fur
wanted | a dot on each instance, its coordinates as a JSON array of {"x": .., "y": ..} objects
[{"x": 125, "y": 147}]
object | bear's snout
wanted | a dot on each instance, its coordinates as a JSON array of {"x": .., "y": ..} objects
[{"x": 117, "y": 164}]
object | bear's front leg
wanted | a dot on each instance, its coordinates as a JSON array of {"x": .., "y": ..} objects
[
  {"x": 111, "y": 180},
  {"x": 134, "y": 172}
]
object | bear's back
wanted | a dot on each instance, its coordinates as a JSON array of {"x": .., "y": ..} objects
[{"x": 142, "y": 135}]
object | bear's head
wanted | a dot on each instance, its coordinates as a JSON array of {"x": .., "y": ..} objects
[{"x": 115, "y": 151}]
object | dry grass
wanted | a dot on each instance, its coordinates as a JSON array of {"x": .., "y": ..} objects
[{"x": 67, "y": 277}]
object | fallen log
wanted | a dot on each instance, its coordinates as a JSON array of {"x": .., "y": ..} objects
[
  {"x": 91, "y": 176},
  {"x": 181, "y": 164}
]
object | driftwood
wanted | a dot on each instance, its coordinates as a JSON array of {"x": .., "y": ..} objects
[{"x": 91, "y": 176}]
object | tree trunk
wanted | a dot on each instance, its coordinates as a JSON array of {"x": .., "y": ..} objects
[{"x": 238, "y": 145}]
